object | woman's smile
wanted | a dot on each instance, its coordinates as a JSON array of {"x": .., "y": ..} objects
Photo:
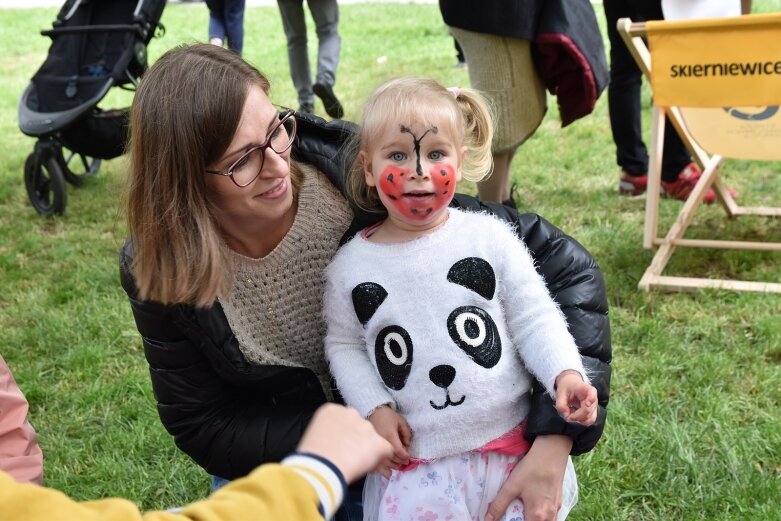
[{"x": 275, "y": 192}]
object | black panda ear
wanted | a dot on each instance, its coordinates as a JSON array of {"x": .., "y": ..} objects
[
  {"x": 367, "y": 297},
  {"x": 476, "y": 274}
]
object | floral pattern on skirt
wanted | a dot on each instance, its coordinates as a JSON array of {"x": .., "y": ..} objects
[{"x": 455, "y": 488}]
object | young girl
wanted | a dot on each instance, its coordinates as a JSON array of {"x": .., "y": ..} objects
[{"x": 436, "y": 316}]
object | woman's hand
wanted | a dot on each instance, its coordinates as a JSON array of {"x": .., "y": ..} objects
[
  {"x": 537, "y": 480},
  {"x": 393, "y": 427}
]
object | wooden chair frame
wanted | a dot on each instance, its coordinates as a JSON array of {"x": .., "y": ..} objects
[{"x": 710, "y": 165}]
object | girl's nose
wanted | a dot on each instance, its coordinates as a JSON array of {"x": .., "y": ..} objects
[{"x": 421, "y": 171}]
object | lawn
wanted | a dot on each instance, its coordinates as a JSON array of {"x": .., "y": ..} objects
[{"x": 694, "y": 425}]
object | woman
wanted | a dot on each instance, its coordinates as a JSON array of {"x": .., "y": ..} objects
[
  {"x": 499, "y": 53},
  {"x": 517, "y": 48},
  {"x": 228, "y": 241}
]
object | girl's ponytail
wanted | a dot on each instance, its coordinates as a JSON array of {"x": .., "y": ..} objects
[{"x": 478, "y": 133}]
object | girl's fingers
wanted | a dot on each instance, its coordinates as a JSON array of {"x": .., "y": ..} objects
[
  {"x": 405, "y": 433},
  {"x": 563, "y": 405},
  {"x": 584, "y": 415}
]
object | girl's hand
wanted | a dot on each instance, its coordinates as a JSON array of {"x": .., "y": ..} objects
[
  {"x": 576, "y": 400},
  {"x": 537, "y": 480},
  {"x": 393, "y": 427}
]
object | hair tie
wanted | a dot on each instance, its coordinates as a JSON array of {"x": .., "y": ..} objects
[{"x": 455, "y": 91}]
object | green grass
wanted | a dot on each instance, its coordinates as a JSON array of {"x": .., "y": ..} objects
[{"x": 694, "y": 430}]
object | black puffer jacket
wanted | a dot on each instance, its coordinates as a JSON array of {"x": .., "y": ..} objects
[{"x": 230, "y": 415}]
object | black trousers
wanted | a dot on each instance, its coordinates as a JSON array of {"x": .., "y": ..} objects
[{"x": 623, "y": 95}]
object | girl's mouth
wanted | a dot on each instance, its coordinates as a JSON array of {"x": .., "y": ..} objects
[{"x": 418, "y": 194}]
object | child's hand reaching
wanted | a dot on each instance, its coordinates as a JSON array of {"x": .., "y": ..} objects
[
  {"x": 576, "y": 400},
  {"x": 393, "y": 427}
]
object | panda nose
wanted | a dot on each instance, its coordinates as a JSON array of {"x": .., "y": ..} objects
[{"x": 442, "y": 375}]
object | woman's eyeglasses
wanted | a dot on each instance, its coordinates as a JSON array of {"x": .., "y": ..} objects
[{"x": 247, "y": 168}]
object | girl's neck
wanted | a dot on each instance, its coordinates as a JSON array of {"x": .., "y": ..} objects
[{"x": 393, "y": 231}]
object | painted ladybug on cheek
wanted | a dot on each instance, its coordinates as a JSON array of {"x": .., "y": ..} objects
[{"x": 414, "y": 206}]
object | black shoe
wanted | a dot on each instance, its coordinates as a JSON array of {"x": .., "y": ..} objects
[
  {"x": 332, "y": 106},
  {"x": 307, "y": 108}
]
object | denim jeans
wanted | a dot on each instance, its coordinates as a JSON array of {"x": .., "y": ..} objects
[
  {"x": 352, "y": 506},
  {"x": 226, "y": 21}
]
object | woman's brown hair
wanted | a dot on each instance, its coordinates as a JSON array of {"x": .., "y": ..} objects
[{"x": 183, "y": 118}]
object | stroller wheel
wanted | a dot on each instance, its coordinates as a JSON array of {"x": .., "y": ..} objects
[
  {"x": 77, "y": 167},
  {"x": 45, "y": 185}
]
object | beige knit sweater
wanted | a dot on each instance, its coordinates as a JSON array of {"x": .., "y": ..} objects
[{"x": 275, "y": 307}]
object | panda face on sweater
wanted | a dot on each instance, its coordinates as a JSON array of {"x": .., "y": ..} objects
[{"x": 471, "y": 329}]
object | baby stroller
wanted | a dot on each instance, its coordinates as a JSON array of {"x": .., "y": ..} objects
[{"x": 96, "y": 44}]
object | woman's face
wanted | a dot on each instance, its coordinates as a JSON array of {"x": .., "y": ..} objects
[{"x": 268, "y": 200}]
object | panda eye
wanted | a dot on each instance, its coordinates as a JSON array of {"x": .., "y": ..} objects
[
  {"x": 470, "y": 328},
  {"x": 474, "y": 331},
  {"x": 393, "y": 354},
  {"x": 395, "y": 347}
]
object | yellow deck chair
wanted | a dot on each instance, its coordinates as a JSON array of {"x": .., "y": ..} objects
[{"x": 719, "y": 82}]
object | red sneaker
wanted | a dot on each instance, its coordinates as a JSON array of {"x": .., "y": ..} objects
[
  {"x": 682, "y": 187},
  {"x": 632, "y": 185}
]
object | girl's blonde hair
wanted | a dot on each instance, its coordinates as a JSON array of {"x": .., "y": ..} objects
[
  {"x": 183, "y": 117},
  {"x": 465, "y": 111}
]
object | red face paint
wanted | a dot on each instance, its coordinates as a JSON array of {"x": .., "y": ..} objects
[{"x": 400, "y": 193}]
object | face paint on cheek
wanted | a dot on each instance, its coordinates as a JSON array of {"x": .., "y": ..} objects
[
  {"x": 391, "y": 184},
  {"x": 444, "y": 179}
]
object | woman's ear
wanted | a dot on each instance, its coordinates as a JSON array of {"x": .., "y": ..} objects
[{"x": 363, "y": 157}]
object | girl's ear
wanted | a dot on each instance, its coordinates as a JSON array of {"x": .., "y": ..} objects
[
  {"x": 460, "y": 163},
  {"x": 363, "y": 157}
]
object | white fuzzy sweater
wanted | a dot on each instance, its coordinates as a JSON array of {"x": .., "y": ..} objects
[{"x": 444, "y": 328}]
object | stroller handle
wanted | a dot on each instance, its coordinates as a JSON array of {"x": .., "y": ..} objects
[{"x": 83, "y": 29}]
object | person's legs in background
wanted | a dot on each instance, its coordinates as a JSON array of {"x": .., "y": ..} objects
[
  {"x": 217, "y": 32},
  {"x": 460, "y": 58},
  {"x": 503, "y": 69},
  {"x": 623, "y": 97},
  {"x": 233, "y": 15},
  {"x": 294, "y": 24},
  {"x": 325, "y": 14},
  {"x": 679, "y": 174},
  {"x": 496, "y": 187}
]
